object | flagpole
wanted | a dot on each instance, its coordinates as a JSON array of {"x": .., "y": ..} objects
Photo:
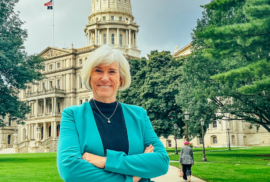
[{"x": 53, "y": 23}]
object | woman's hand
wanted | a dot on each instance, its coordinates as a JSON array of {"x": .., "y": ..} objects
[
  {"x": 148, "y": 149},
  {"x": 95, "y": 160}
]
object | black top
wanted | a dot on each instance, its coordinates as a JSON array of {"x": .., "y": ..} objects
[{"x": 113, "y": 135}]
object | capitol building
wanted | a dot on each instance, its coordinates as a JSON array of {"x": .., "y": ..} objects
[{"x": 111, "y": 22}]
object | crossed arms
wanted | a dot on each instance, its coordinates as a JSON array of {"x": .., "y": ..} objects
[{"x": 118, "y": 166}]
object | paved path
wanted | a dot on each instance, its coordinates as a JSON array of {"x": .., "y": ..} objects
[
  {"x": 172, "y": 176},
  {"x": 7, "y": 151}
]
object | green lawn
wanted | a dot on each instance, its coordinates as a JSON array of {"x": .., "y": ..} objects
[
  {"x": 223, "y": 166},
  {"x": 245, "y": 165},
  {"x": 40, "y": 167}
]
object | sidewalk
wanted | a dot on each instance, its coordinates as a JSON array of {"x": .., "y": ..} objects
[{"x": 172, "y": 176}]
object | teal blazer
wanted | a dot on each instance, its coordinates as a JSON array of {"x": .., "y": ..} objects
[{"x": 79, "y": 134}]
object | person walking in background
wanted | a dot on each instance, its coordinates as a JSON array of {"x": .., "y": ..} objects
[{"x": 186, "y": 160}]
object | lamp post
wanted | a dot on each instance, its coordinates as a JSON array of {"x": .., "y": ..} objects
[
  {"x": 175, "y": 137},
  {"x": 204, "y": 157},
  {"x": 187, "y": 118},
  {"x": 229, "y": 138}
]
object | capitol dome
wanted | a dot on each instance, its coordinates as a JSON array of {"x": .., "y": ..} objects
[{"x": 123, "y": 6}]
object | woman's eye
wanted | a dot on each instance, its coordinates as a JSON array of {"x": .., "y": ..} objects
[
  {"x": 112, "y": 71},
  {"x": 98, "y": 70}
]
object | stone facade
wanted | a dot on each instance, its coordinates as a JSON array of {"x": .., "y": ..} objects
[
  {"x": 111, "y": 22},
  {"x": 240, "y": 133}
]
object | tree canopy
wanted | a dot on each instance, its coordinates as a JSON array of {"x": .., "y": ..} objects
[{"x": 17, "y": 68}]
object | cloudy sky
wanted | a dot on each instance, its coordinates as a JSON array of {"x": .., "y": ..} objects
[{"x": 163, "y": 23}]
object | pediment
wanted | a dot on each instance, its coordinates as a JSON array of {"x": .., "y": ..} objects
[{"x": 52, "y": 52}]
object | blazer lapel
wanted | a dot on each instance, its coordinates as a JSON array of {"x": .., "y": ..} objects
[
  {"x": 134, "y": 130},
  {"x": 92, "y": 141}
]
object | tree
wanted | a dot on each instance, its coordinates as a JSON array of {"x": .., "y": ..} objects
[
  {"x": 215, "y": 54},
  {"x": 16, "y": 67},
  {"x": 154, "y": 85},
  {"x": 244, "y": 39}
]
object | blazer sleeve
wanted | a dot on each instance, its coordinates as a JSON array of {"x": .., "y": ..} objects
[
  {"x": 71, "y": 166},
  {"x": 146, "y": 165}
]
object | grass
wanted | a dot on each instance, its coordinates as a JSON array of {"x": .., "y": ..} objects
[
  {"x": 38, "y": 167},
  {"x": 246, "y": 165},
  {"x": 238, "y": 165}
]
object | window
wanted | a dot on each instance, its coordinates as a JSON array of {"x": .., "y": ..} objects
[
  {"x": 121, "y": 39},
  {"x": 58, "y": 83},
  {"x": 9, "y": 121},
  {"x": 112, "y": 18},
  {"x": 58, "y": 65},
  {"x": 58, "y": 130},
  {"x": 104, "y": 18},
  {"x": 43, "y": 84},
  {"x": 59, "y": 107},
  {"x": 80, "y": 83},
  {"x": 169, "y": 143},
  {"x": 51, "y": 66},
  {"x": 214, "y": 124},
  {"x": 80, "y": 101},
  {"x": 50, "y": 107},
  {"x": 43, "y": 108},
  {"x": 50, "y": 131},
  {"x": 200, "y": 140},
  {"x": 9, "y": 138},
  {"x": 120, "y": 18},
  {"x": 44, "y": 68},
  {"x": 97, "y": 19},
  {"x": 112, "y": 39},
  {"x": 215, "y": 140},
  {"x": 104, "y": 39},
  {"x": 126, "y": 19},
  {"x": 51, "y": 85},
  {"x": 80, "y": 61}
]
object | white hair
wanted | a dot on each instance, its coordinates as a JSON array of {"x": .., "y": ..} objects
[{"x": 106, "y": 55}]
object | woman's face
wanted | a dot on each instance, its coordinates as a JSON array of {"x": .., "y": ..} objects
[{"x": 105, "y": 81}]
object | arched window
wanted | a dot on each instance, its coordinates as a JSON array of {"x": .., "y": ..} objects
[
  {"x": 58, "y": 130},
  {"x": 42, "y": 133},
  {"x": 112, "y": 39},
  {"x": 121, "y": 39},
  {"x": 214, "y": 140},
  {"x": 215, "y": 124},
  {"x": 9, "y": 121},
  {"x": 9, "y": 138},
  {"x": 104, "y": 39},
  {"x": 50, "y": 131}
]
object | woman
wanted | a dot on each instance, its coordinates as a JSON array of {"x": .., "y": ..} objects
[
  {"x": 186, "y": 160},
  {"x": 104, "y": 140}
]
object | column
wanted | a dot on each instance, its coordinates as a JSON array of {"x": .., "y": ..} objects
[
  {"x": 95, "y": 37},
  {"x": 44, "y": 107},
  {"x": 126, "y": 37},
  {"x": 54, "y": 129},
  {"x": 98, "y": 38},
  {"x": 71, "y": 80},
  {"x": 129, "y": 45},
  {"x": 118, "y": 38},
  {"x": 44, "y": 130},
  {"x": 54, "y": 105},
  {"x": 108, "y": 36},
  {"x": 235, "y": 128},
  {"x": 36, "y": 108},
  {"x": 90, "y": 36},
  {"x": 133, "y": 43},
  {"x": 135, "y": 40},
  {"x": 63, "y": 82},
  {"x": 52, "y": 126},
  {"x": 55, "y": 82}
]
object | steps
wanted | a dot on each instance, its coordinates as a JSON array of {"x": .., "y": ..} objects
[{"x": 7, "y": 151}]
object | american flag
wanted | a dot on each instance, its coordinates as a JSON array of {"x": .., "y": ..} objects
[{"x": 49, "y": 4}]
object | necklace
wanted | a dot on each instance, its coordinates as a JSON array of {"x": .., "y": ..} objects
[{"x": 103, "y": 115}]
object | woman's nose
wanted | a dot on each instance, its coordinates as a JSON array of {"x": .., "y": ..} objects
[{"x": 105, "y": 77}]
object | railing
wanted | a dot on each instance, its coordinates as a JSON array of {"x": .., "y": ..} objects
[
  {"x": 112, "y": 21},
  {"x": 87, "y": 48},
  {"x": 44, "y": 91},
  {"x": 22, "y": 144}
]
